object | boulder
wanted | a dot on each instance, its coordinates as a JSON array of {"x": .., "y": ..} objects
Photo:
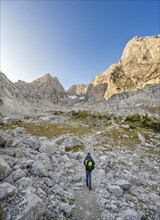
[
  {"x": 18, "y": 174},
  {"x": 33, "y": 144},
  {"x": 69, "y": 143},
  {"x": 40, "y": 169},
  {"x": 2, "y": 142},
  {"x": 6, "y": 190},
  {"x": 124, "y": 184},
  {"x": 103, "y": 159},
  {"x": 4, "y": 168},
  {"x": 7, "y": 120},
  {"x": 131, "y": 215},
  {"x": 65, "y": 208},
  {"x": 34, "y": 208},
  {"x": 72, "y": 143},
  {"x": 115, "y": 190},
  {"x": 48, "y": 148},
  {"x": 157, "y": 217}
]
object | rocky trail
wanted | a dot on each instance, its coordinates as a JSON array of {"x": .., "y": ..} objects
[
  {"x": 43, "y": 177},
  {"x": 86, "y": 204}
]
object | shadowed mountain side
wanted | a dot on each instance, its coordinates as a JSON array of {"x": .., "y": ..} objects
[
  {"x": 46, "y": 88},
  {"x": 11, "y": 99},
  {"x": 96, "y": 93}
]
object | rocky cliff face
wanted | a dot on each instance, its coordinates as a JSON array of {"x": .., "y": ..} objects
[
  {"x": 139, "y": 66},
  {"x": 11, "y": 99},
  {"x": 77, "y": 90},
  {"x": 46, "y": 88}
]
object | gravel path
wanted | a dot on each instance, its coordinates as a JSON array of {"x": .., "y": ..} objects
[{"x": 86, "y": 205}]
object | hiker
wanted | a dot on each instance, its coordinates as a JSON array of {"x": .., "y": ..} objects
[{"x": 89, "y": 164}]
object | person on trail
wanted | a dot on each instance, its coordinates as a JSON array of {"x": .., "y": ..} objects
[{"x": 89, "y": 164}]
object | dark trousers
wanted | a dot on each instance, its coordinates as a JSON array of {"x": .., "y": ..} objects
[{"x": 88, "y": 178}]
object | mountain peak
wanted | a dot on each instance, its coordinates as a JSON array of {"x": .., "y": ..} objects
[{"x": 44, "y": 79}]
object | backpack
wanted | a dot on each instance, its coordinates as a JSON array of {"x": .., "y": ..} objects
[{"x": 89, "y": 164}]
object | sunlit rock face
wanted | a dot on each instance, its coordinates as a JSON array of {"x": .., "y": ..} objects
[
  {"x": 77, "y": 90},
  {"x": 139, "y": 66}
]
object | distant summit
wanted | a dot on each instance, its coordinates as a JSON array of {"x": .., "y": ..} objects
[
  {"x": 44, "y": 79},
  {"x": 138, "y": 67},
  {"x": 77, "y": 90},
  {"x": 45, "y": 88}
]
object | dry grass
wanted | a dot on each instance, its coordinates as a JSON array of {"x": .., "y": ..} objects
[{"x": 49, "y": 130}]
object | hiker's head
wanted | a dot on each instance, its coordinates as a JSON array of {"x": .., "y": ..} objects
[{"x": 88, "y": 154}]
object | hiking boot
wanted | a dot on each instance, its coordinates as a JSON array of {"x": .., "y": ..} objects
[{"x": 90, "y": 188}]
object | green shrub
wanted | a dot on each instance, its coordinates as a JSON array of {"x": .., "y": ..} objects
[
  {"x": 143, "y": 122},
  {"x": 1, "y": 214},
  {"x": 74, "y": 148}
]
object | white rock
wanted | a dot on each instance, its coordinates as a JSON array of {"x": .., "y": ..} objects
[
  {"x": 103, "y": 159},
  {"x": 18, "y": 174},
  {"x": 49, "y": 148},
  {"x": 5, "y": 169},
  {"x": 124, "y": 184},
  {"x": 6, "y": 190},
  {"x": 34, "y": 208},
  {"x": 39, "y": 169},
  {"x": 115, "y": 190},
  {"x": 131, "y": 215},
  {"x": 66, "y": 208}
]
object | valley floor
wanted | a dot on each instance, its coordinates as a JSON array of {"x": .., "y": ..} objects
[{"x": 42, "y": 173}]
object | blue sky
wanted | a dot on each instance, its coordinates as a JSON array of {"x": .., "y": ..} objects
[{"x": 73, "y": 40}]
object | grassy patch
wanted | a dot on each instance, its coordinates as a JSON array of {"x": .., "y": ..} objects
[
  {"x": 51, "y": 130},
  {"x": 153, "y": 109},
  {"x": 34, "y": 117},
  {"x": 121, "y": 137},
  {"x": 143, "y": 122},
  {"x": 47, "y": 129},
  {"x": 57, "y": 113},
  {"x": 1, "y": 213},
  {"x": 93, "y": 119},
  {"x": 75, "y": 148}
]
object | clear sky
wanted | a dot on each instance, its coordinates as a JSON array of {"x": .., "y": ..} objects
[{"x": 73, "y": 40}]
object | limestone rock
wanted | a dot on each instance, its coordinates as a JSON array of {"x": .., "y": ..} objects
[
  {"x": 115, "y": 190},
  {"x": 124, "y": 184},
  {"x": 4, "y": 168},
  {"x": 139, "y": 66},
  {"x": 69, "y": 142},
  {"x": 11, "y": 99},
  {"x": 34, "y": 208},
  {"x": 6, "y": 190},
  {"x": 39, "y": 169},
  {"x": 18, "y": 174},
  {"x": 66, "y": 208},
  {"x": 2, "y": 142},
  {"x": 49, "y": 148},
  {"x": 77, "y": 90},
  {"x": 46, "y": 88},
  {"x": 131, "y": 215}
]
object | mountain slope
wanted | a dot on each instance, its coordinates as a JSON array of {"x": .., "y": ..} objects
[
  {"x": 46, "y": 88},
  {"x": 11, "y": 99},
  {"x": 77, "y": 90},
  {"x": 139, "y": 66}
]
